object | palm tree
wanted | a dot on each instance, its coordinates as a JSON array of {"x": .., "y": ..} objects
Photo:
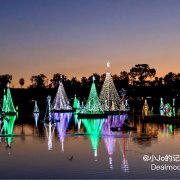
[{"x": 21, "y": 82}]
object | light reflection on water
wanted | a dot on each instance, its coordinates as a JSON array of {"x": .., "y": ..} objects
[{"x": 87, "y": 148}]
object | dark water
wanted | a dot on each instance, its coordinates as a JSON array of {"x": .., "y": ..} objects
[{"x": 88, "y": 149}]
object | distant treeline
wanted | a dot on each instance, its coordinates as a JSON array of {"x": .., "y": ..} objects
[{"x": 140, "y": 81}]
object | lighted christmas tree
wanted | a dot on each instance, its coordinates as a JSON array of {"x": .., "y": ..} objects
[
  {"x": 145, "y": 110},
  {"x": 109, "y": 97},
  {"x": 76, "y": 105},
  {"x": 36, "y": 109},
  {"x": 161, "y": 107},
  {"x": 8, "y": 106},
  {"x": 47, "y": 117},
  {"x": 61, "y": 101},
  {"x": 93, "y": 105},
  {"x": 173, "y": 108},
  {"x": 123, "y": 100}
]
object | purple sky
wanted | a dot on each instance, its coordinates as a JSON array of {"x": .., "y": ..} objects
[{"x": 78, "y": 37}]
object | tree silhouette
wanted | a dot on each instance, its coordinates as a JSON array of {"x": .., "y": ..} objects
[
  {"x": 4, "y": 79},
  {"x": 56, "y": 78},
  {"x": 170, "y": 78},
  {"x": 38, "y": 81},
  {"x": 142, "y": 71},
  {"x": 21, "y": 82}
]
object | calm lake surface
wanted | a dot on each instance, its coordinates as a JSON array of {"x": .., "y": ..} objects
[{"x": 88, "y": 149}]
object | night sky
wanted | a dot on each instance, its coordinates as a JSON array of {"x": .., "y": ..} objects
[{"x": 78, "y": 37}]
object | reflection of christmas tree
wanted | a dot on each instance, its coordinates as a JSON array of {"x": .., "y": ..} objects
[
  {"x": 8, "y": 106},
  {"x": 124, "y": 147},
  {"x": 77, "y": 121},
  {"x": 62, "y": 123},
  {"x": 93, "y": 128},
  {"x": 50, "y": 133},
  {"x": 118, "y": 120},
  {"x": 36, "y": 117},
  {"x": 8, "y": 125},
  {"x": 61, "y": 101},
  {"x": 93, "y": 105},
  {"x": 109, "y": 141},
  {"x": 109, "y": 97}
]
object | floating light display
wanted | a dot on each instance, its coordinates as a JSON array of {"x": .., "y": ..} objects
[
  {"x": 76, "y": 104},
  {"x": 145, "y": 110},
  {"x": 109, "y": 97},
  {"x": 36, "y": 109},
  {"x": 8, "y": 106},
  {"x": 47, "y": 116},
  {"x": 161, "y": 107},
  {"x": 173, "y": 108},
  {"x": 124, "y": 106},
  {"x": 61, "y": 101},
  {"x": 93, "y": 105}
]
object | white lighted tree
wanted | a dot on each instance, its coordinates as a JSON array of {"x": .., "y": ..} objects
[
  {"x": 109, "y": 97},
  {"x": 61, "y": 101}
]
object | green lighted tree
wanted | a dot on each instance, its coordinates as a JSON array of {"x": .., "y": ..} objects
[
  {"x": 8, "y": 106},
  {"x": 93, "y": 105}
]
